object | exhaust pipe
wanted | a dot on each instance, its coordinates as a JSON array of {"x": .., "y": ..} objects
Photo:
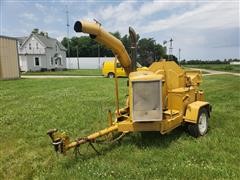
[
  {"x": 133, "y": 38},
  {"x": 97, "y": 33}
]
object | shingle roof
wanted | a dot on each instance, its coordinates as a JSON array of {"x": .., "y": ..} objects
[
  {"x": 50, "y": 42},
  {"x": 21, "y": 39},
  {"x": 47, "y": 41}
]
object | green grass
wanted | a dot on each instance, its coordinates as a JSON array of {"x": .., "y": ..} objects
[
  {"x": 29, "y": 107},
  {"x": 218, "y": 67},
  {"x": 75, "y": 72}
]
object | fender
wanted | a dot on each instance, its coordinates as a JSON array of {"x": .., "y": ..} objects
[{"x": 192, "y": 110}]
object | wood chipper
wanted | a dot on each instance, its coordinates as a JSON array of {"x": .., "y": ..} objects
[{"x": 159, "y": 99}]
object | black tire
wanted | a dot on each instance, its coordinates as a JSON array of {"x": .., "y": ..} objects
[
  {"x": 201, "y": 127},
  {"x": 111, "y": 75}
]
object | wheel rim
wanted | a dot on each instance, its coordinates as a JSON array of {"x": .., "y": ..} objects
[
  {"x": 202, "y": 124},
  {"x": 111, "y": 75}
]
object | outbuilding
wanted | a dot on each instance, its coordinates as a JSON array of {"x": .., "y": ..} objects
[{"x": 9, "y": 63}]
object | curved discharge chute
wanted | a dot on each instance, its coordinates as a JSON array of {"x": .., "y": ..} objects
[{"x": 97, "y": 33}]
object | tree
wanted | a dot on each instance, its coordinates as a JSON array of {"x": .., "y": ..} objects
[
  {"x": 148, "y": 50},
  {"x": 42, "y": 33},
  {"x": 35, "y": 31}
]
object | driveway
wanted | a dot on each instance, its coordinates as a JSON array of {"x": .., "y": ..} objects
[
  {"x": 58, "y": 76},
  {"x": 214, "y": 72},
  {"x": 210, "y": 72}
]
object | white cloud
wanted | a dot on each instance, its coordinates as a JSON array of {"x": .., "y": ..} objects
[
  {"x": 119, "y": 17},
  {"x": 39, "y": 6},
  {"x": 189, "y": 23},
  {"x": 29, "y": 16},
  {"x": 50, "y": 14},
  {"x": 49, "y": 19},
  {"x": 211, "y": 15},
  {"x": 149, "y": 8},
  {"x": 60, "y": 38}
]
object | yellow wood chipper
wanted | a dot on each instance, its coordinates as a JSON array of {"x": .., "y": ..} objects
[{"x": 160, "y": 98}]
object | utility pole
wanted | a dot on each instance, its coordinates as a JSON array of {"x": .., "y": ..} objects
[
  {"x": 170, "y": 48},
  {"x": 179, "y": 55},
  {"x": 154, "y": 51},
  {"x": 68, "y": 43},
  {"x": 99, "y": 56},
  {"x": 77, "y": 58},
  {"x": 165, "y": 46}
]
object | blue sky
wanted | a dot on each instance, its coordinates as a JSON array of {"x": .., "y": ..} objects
[{"x": 202, "y": 29}]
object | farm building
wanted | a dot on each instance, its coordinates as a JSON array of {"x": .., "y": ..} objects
[
  {"x": 235, "y": 63},
  {"x": 87, "y": 62},
  {"x": 9, "y": 63},
  {"x": 39, "y": 52}
]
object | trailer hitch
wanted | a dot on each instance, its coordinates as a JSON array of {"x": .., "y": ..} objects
[{"x": 60, "y": 140}]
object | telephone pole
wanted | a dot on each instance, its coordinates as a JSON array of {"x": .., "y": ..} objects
[
  {"x": 179, "y": 54},
  {"x": 77, "y": 57},
  {"x": 170, "y": 48},
  {"x": 68, "y": 43}
]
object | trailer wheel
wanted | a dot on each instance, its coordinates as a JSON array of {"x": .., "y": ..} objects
[
  {"x": 201, "y": 127},
  {"x": 111, "y": 75}
]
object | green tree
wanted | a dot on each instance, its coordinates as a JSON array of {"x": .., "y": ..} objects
[
  {"x": 148, "y": 50},
  {"x": 35, "y": 31}
]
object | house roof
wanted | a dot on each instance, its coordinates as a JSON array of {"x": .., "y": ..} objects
[
  {"x": 21, "y": 39},
  {"x": 46, "y": 40}
]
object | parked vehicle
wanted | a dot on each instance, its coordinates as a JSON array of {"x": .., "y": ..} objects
[{"x": 108, "y": 69}]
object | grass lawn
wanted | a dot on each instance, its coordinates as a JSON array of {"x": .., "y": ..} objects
[
  {"x": 218, "y": 67},
  {"x": 29, "y": 107},
  {"x": 75, "y": 72}
]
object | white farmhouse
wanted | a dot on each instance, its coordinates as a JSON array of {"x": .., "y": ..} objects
[{"x": 38, "y": 52}]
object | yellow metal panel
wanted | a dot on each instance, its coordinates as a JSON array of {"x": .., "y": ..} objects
[
  {"x": 179, "y": 97},
  {"x": 192, "y": 111},
  {"x": 169, "y": 124},
  {"x": 174, "y": 75},
  {"x": 200, "y": 96},
  {"x": 195, "y": 76},
  {"x": 138, "y": 126}
]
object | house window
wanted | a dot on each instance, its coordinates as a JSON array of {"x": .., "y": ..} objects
[
  {"x": 60, "y": 61},
  {"x": 51, "y": 60},
  {"x": 37, "y": 61},
  {"x": 119, "y": 65},
  {"x": 56, "y": 48},
  {"x": 36, "y": 45},
  {"x": 30, "y": 46}
]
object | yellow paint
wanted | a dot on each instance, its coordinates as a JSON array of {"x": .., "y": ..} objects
[
  {"x": 108, "y": 68},
  {"x": 193, "y": 109},
  {"x": 165, "y": 97}
]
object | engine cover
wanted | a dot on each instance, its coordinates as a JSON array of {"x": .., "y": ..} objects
[{"x": 147, "y": 100}]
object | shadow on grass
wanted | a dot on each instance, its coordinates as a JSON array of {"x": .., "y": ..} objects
[
  {"x": 139, "y": 139},
  {"x": 155, "y": 139}
]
